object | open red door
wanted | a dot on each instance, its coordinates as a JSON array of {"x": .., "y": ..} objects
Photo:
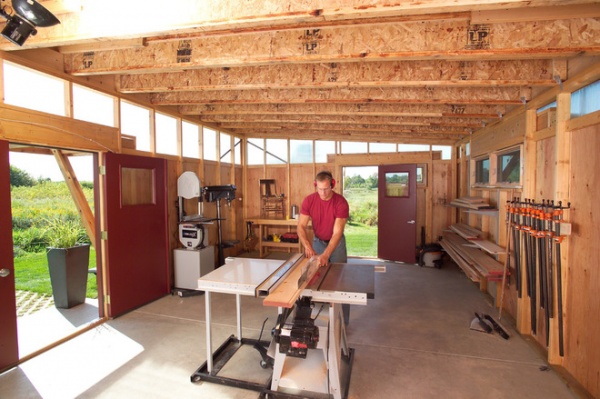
[
  {"x": 136, "y": 225},
  {"x": 397, "y": 213},
  {"x": 9, "y": 349}
]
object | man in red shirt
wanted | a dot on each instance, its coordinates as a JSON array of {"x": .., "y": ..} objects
[{"x": 329, "y": 212}]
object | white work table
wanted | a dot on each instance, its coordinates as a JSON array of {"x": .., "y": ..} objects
[{"x": 238, "y": 276}]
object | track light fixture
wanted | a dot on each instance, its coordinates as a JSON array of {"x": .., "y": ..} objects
[{"x": 29, "y": 14}]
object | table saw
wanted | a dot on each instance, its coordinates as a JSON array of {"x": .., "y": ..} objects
[{"x": 307, "y": 351}]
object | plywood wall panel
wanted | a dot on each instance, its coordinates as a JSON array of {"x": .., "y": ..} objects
[
  {"x": 544, "y": 170},
  {"x": 582, "y": 321},
  {"x": 441, "y": 187},
  {"x": 509, "y": 132}
]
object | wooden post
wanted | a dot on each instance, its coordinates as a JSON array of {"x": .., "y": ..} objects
[
  {"x": 87, "y": 217},
  {"x": 562, "y": 178},
  {"x": 529, "y": 186}
]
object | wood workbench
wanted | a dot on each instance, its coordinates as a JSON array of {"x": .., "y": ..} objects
[{"x": 264, "y": 224}]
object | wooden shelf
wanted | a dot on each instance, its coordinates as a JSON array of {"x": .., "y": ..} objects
[{"x": 264, "y": 224}]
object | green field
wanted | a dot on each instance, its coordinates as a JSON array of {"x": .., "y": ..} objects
[{"x": 361, "y": 230}]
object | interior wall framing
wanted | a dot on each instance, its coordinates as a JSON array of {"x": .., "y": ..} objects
[{"x": 560, "y": 163}]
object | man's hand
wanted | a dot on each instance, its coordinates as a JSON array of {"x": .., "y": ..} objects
[{"x": 322, "y": 260}]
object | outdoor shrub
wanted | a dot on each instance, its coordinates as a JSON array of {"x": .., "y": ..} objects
[
  {"x": 29, "y": 240},
  {"x": 64, "y": 233}
]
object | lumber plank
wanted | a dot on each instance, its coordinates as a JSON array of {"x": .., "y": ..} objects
[{"x": 286, "y": 294}]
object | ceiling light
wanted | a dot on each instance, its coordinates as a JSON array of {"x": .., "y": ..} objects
[{"x": 29, "y": 14}]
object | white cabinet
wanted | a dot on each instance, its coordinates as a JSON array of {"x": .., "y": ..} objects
[{"x": 190, "y": 264}]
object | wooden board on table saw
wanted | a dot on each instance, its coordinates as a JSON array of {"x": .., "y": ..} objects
[{"x": 288, "y": 291}]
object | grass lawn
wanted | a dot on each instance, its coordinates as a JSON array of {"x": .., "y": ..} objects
[
  {"x": 31, "y": 274},
  {"x": 361, "y": 240}
]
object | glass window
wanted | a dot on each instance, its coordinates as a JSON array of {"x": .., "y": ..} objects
[
  {"x": 190, "y": 140},
  {"x": 382, "y": 147},
  {"x": 166, "y": 134},
  {"x": 354, "y": 147},
  {"x": 135, "y": 121},
  {"x": 322, "y": 149},
  {"x": 34, "y": 90},
  {"x": 509, "y": 167},
  {"x": 277, "y": 152},
  {"x": 237, "y": 151},
  {"x": 225, "y": 147},
  {"x": 301, "y": 151},
  {"x": 585, "y": 100},
  {"x": 256, "y": 152},
  {"x": 209, "y": 144},
  {"x": 413, "y": 147},
  {"x": 396, "y": 184},
  {"x": 482, "y": 171},
  {"x": 545, "y": 107},
  {"x": 92, "y": 106},
  {"x": 445, "y": 149}
]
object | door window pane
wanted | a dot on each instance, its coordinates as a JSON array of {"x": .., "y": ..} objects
[{"x": 396, "y": 184}]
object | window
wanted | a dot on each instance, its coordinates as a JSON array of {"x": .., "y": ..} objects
[
  {"x": 396, "y": 184},
  {"x": 353, "y": 147},
  {"x": 209, "y": 144},
  {"x": 255, "y": 152},
  {"x": 301, "y": 151},
  {"x": 382, "y": 147},
  {"x": 509, "y": 167},
  {"x": 225, "y": 147},
  {"x": 322, "y": 149},
  {"x": 445, "y": 149},
  {"x": 585, "y": 100},
  {"x": 413, "y": 147},
  {"x": 166, "y": 134},
  {"x": 482, "y": 171},
  {"x": 92, "y": 106},
  {"x": 277, "y": 151},
  {"x": 34, "y": 90},
  {"x": 190, "y": 140},
  {"x": 237, "y": 151},
  {"x": 135, "y": 121},
  {"x": 500, "y": 169}
]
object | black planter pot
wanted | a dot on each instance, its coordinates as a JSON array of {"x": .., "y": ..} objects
[{"x": 68, "y": 274}]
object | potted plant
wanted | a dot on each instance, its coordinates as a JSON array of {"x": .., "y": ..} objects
[{"x": 68, "y": 261}]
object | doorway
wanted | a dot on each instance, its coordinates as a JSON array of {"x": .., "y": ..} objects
[
  {"x": 40, "y": 198},
  {"x": 360, "y": 190}
]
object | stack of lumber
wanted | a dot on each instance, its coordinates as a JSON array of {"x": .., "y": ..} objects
[
  {"x": 476, "y": 203},
  {"x": 465, "y": 231},
  {"x": 476, "y": 264},
  {"x": 475, "y": 236}
]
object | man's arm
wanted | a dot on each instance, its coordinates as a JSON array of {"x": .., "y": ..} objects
[
  {"x": 338, "y": 231},
  {"x": 302, "y": 231}
]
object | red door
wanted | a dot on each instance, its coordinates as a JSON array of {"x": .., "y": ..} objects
[
  {"x": 136, "y": 225},
  {"x": 9, "y": 350},
  {"x": 397, "y": 213}
]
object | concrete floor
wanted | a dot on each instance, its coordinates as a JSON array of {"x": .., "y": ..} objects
[{"x": 412, "y": 341}]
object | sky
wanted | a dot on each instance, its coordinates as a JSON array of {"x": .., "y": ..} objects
[{"x": 45, "y": 166}]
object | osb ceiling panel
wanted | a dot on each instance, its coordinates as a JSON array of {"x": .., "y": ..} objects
[{"x": 416, "y": 71}]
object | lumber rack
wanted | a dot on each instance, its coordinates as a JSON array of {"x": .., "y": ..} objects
[{"x": 472, "y": 259}]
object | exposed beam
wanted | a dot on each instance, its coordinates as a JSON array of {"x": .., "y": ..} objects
[
  {"x": 434, "y": 95},
  {"x": 449, "y": 40},
  {"x": 353, "y": 75},
  {"x": 346, "y": 119},
  {"x": 88, "y": 21},
  {"x": 370, "y": 109}
]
